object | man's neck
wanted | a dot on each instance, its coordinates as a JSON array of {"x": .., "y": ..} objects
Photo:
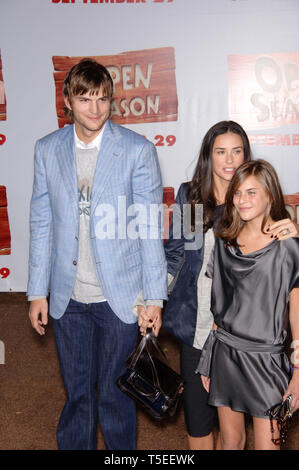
[
  {"x": 94, "y": 137},
  {"x": 88, "y": 136}
]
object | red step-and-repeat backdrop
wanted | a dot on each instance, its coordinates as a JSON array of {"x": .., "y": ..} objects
[{"x": 178, "y": 67}]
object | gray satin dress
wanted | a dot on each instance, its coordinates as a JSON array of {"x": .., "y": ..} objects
[{"x": 248, "y": 367}]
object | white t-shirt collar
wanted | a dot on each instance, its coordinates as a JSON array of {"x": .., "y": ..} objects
[{"x": 96, "y": 142}]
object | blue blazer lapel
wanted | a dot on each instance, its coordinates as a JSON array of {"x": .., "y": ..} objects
[
  {"x": 109, "y": 151},
  {"x": 67, "y": 163}
]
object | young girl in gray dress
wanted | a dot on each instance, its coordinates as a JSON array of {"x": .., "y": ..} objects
[
  {"x": 187, "y": 314},
  {"x": 255, "y": 294}
]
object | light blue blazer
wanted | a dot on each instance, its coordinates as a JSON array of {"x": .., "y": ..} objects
[{"x": 127, "y": 172}]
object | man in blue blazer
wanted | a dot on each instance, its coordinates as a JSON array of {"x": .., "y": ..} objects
[{"x": 94, "y": 246}]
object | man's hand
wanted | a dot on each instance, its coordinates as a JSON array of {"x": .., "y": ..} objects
[
  {"x": 151, "y": 317},
  {"x": 38, "y": 314}
]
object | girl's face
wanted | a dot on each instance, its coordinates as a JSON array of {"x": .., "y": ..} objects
[
  {"x": 227, "y": 156},
  {"x": 251, "y": 199}
]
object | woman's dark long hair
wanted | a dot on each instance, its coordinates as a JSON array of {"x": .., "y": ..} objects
[
  {"x": 201, "y": 187},
  {"x": 231, "y": 222}
]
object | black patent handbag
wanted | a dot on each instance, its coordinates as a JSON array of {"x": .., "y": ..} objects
[{"x": 151, "y": 382}]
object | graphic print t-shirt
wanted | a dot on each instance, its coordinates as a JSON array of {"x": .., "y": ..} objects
[{"x": 87, "y": 288}]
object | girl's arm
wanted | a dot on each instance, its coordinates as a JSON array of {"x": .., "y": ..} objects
[{"x": 293, "y": 388}]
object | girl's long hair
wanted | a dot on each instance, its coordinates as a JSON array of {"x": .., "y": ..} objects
[
  {"x": 201, "y": 187},
  {"x": 231, "y": 223}
]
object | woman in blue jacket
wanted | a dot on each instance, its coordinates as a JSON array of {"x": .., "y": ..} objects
[{"x": 187, "y": 314}]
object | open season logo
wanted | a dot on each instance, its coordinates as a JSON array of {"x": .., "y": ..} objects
[
  {"x": 263, "y": 89},
  {"x": 144, "y": 85},
  {"x": 5, "y": 237}
]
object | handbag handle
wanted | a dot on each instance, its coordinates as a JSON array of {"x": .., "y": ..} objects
[{"x": 145, "y": 343}]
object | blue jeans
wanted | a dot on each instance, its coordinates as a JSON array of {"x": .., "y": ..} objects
[{"x": 92, "y": 345}]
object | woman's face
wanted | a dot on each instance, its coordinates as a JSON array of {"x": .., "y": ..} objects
[
  {"x": 227, "y": 156},
  {"x": 251, "y": 199}
]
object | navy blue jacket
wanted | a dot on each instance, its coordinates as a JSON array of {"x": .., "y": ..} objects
[{"x": 180, "y": 313}]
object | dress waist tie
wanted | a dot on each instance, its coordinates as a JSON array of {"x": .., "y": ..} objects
[{"x": 233, "y": 341}]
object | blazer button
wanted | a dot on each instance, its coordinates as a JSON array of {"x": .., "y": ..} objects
[{"x": 74, "y": 262}]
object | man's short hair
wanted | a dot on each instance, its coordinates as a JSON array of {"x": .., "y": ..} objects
[{"x": 86, "y": 76}]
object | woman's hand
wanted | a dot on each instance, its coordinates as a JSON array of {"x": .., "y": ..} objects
[
  {"x": 205, "y": 383},
  {"x": 283, "y": 229},
  {"x": 293, "y": 389}
]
